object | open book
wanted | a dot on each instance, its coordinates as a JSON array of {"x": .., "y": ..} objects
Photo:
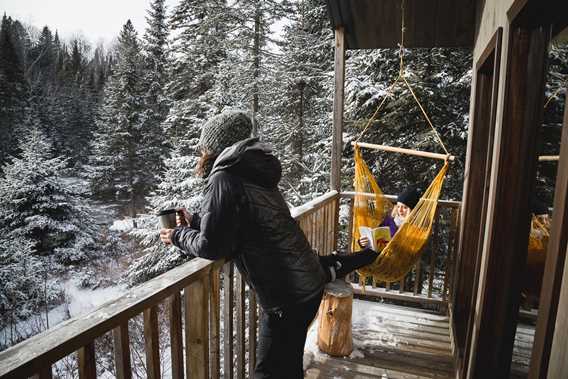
[{"x": 378, "y": 237}]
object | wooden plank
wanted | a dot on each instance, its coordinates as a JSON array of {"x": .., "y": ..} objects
[
  {"x": 253, "y": 322},
  {"x": 435, "y": 246},
  {"x": 176, "y": 335},
  {"x": 558, "y": 366},
  {"x": 87, "y": 362},
  {"x": 338, "y": 104},
  {"x": 121, "y": 343},
  {"x": 152, "y": 342},
  {"x": 417, "y": 281},
  {"x": 29, "y": 356},
  {"x": 498, "y": 301},
  {"x": 312, "y": 206},
  {"x": 228, "y": 299},
  {"x": 215, "y": 324},
  {"x": 196, "y": 297},
  {"x": 350, "y": 227},
  {"x": 554, "y": 268},
  {"x": 240, "y": 314}
]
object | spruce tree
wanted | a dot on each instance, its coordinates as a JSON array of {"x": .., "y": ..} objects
[
  {"x": 179, "y": 188},
  {"x": 117, "y": 161},
  {"x": 40, "y": 205},
  {"x": 156, "y": 105},
  {"x": 12, "y": 89}
]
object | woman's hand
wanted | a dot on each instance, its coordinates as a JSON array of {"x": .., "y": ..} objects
[
  {"x": 183, "y": 217},
  {"x": 166, "y": 236},
  {"x": 364, "y": 241}
]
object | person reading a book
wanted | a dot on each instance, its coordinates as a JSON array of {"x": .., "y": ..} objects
[{"x": 405, "y": 202}]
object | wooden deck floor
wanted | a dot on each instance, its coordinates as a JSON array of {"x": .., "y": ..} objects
[
  {"x": 398, "y": 342},
  {"x": 388, "y": 342}
]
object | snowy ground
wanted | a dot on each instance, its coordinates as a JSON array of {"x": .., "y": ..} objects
[{"x": 78, "y": 301}]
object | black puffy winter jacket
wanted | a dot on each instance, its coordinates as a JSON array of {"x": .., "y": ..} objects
[{"x": 244, "y": 217}]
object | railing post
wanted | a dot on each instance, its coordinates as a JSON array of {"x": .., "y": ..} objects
[
  {"x": 214, "y": 320},
  {"x": 121, "y": 345},
  {"x": 176, "y": 338},
  {"x": 87, "y": 367},
  {"x": 152, "y": 342},
  {"x": 197, "y": 328},
  {"x": 240, "y": 305},
  {"x": 228, "y": 319}
]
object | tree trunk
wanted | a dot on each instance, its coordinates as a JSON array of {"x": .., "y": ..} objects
[{"x": 334, "y": 332}]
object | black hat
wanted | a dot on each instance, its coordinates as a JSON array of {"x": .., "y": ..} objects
[
  {"x": 537, "y": 207},
  {"x": 409, "y": 197}
]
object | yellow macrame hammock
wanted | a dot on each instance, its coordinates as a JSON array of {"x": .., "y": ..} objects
[
  {"x": 370, "y": 207},
  {"x": 398, "y": 257}
]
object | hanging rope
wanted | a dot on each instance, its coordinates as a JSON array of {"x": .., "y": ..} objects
[{"x": 401, "y": 75}]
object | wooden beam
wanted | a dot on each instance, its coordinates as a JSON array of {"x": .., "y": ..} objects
[
  {"x": 152, "y": 342},
  {"x": 392, "y": 149},
  {"x": 215, "y": 323},
  {"x": 176, "y": 335},
  {"x": 554, "y": 265},
  {"x": 548, "y": 158},
  {"x": 122, "y": 351},
  {"x": 197, "y": 329},
  {"x": 87, "y": 362},
  {"x": 505, "y": 255},
  {"x": 228, "y": 299},
  {"x": 558, "y": 366},
  {"x": 240, "y": 312},
  {"x": 338, "y": 104}
]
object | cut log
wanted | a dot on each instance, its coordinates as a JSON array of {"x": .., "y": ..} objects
[{"x": 334, "y": 331}]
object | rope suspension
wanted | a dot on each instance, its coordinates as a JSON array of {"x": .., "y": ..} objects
[{"x": 402, "y": 77}]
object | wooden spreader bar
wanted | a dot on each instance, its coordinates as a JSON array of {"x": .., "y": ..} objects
[
  {"x": 548, "y": 158},
  {"x": 401, "y": 150}
]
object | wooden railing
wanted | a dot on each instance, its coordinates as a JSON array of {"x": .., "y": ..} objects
[
  {"x": 198, "y": 297},
  {"x": 430, "y": 281}
]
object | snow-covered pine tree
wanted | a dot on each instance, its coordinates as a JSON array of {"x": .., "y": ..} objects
[
  {"x": 441, "y": 80},
  {"x": 156, "y": 105},
  {"x": 116, "y": 162},
  {"x": 241, "y": 78},
  {"x": 38, "y": 204},
  {"x": 299, "y": 124},
  {"x": 200, "y": 28},
  {"x": 179, "y": 188},
  {"x": 12, "y": 88}
]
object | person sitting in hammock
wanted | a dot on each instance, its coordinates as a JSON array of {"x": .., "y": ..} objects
[{"x": 405, "y": 202}]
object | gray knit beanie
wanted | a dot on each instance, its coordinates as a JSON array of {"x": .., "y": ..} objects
[{"x": 224, "y": 130}]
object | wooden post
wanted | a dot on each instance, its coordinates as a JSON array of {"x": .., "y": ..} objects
[
  {"x": 554, "y": 265},
  {"x": 197, "y": 329},
  {"x": 338, "y": 103},
  {"x": 240, "y": 311},
  {"x": 214, "y": 321},
  {"x": 87, "y": 363},
  {"x": 176, "y": 335},
  {"x": 505, "y": 254},
  {"x": 334, "y": 332},
  {"x": 122, "y": 351},
  {"x": 228, "y": 270},
  {"x": 253, "y": 322},
  {"x": 152, "y": 342},
  {"x": 558, "y": 366}
]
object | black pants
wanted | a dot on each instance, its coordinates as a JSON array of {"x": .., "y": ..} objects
[{"x": 281, "y": 341}]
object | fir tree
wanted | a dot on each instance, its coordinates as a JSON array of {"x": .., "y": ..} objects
[
  {"x": 156, "y": 105},
  {"x": 38, "y": 205},
  {"x": 116, "y": 160},
  {"x": 179, "y": 188},
  {"x": 12, "y": 88}
]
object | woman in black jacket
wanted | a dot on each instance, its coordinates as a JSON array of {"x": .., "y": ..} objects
[{"x": 244, "y": 217}]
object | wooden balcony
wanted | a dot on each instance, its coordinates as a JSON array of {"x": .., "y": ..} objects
[{"x": 209, "y": 317}]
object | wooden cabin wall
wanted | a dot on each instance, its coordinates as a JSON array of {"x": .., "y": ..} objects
[{"x": 518, "y": 117}]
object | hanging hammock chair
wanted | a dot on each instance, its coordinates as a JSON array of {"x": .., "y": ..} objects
[{"x": 400, "y": 254}]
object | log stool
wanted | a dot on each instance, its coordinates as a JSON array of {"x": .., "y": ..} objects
[{"x": 334, "y": 330}]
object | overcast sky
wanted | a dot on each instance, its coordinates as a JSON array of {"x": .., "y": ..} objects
[{"x": 95, "y": 19}]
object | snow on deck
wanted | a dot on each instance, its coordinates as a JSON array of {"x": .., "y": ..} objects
[{"x": 388, "y": 342}]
